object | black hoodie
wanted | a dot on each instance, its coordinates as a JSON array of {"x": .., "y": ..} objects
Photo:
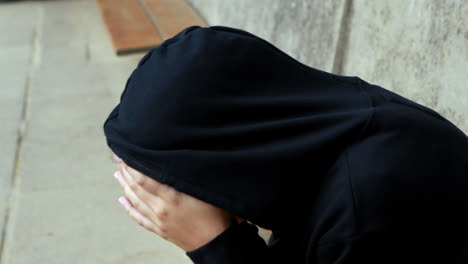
[{"x": 341, "y": 170}]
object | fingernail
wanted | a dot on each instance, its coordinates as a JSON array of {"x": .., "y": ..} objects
[
  {"x": 121, "y": 201},
  {"x": 117, "y": 175}
]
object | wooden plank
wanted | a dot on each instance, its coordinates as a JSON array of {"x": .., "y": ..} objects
[
  {"x": 129, "y": 27},
  {"x": 171, "y": 16}
]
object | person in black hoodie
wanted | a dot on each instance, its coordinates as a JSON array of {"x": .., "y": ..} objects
[{"x": 341, "y": 170}]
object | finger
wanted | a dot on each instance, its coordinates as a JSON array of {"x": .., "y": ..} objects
[
  {"x": 144, "y": 185},
  {"x": 152, "y": 200},
  {"x": 116, "y": 158},
  {"x": 137, "y": 179},
  {"x": 137, "y": 182},
  {"x": 118, "y": 177},
  {"x": 138, "y": 217},
  {"x": 137, "y": 202}
]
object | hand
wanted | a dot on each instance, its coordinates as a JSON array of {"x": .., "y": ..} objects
[{"x": 177, "y": 217}]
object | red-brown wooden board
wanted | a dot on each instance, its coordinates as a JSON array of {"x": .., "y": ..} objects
[
  {"x": 171, "y": 16},
  {"x": 129, "y": 26}
]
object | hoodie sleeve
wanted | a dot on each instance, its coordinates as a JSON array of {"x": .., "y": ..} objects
[{"x": 239, "y": 243}]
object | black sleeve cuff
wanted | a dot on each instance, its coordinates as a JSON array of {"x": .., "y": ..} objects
[{"x": 239, "y": 243}]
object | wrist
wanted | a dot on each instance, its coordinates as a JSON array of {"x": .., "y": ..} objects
[
  {"x": 209, "y": 232},
  {"x": 239, "y": 243}
]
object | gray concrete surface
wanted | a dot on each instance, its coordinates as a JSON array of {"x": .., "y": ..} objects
[
  {"x": 58, "y": 198},
  {"x": 15, "y": 50},
  {"x": 308, "y": 30},
  {"x": 418, "y": 48}
]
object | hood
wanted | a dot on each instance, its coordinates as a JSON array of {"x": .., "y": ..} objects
[{"x": 225, "y": 116}]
